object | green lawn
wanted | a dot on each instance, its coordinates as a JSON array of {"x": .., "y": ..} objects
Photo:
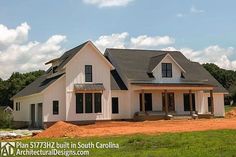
[{"x": 221, "y": 143}]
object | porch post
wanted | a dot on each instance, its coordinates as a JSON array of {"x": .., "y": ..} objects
[
  {"x": 166, "y": 103},
  {"x": 212, "y": 102},
  {"x": 191, "y": 102},
  {"x": 143, "y": 101}
]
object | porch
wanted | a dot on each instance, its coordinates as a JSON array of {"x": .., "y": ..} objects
[{"x": 174, "y": 102}]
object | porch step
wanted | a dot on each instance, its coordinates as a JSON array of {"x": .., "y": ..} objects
[{"x": 182, "y": 117}]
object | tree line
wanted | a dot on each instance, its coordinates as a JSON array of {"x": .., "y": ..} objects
[
  {"x": 14, "y": 84},
  {"x": 227, "y": 79}
]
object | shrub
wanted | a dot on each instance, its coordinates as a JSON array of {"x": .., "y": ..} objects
[{"x": 5, "y": 119}]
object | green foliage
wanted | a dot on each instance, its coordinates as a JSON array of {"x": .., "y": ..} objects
[
  {"x": 5, "y": 119},
  {"x": 227, "y": 78},
  {"x": 189, "y": 144},
  {"x": 15, "y": 83}
]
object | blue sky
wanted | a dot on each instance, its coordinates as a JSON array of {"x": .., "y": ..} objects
[{"x": 197, "y": 27}]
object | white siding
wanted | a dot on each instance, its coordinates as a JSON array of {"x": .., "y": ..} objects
[
  {"x": 25, "y": 102},
  {"x": 56, "y": 91},
  {"x": 218, "y": 103},
  {"x": 75, "y": 74},
  {"x": 124, "y": 105},
  {"x": 176, "y": 71}
]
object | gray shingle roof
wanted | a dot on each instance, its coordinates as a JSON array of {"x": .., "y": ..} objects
[
  {"x": 154, "y": 61},
  {"x": 43, "y": 82},
  {"x": 133, "y": 65},
  {"x": 37, "y": 86}
]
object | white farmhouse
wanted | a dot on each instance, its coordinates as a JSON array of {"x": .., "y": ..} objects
[{"x": 83, "y": 85}]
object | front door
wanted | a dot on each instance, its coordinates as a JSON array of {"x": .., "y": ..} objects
[
  {"x": 170, "y": 101},
  {"x": 32, "y": 115},
  {"x": 209, "y": 104},
  {"x": 147, "y": 101}
]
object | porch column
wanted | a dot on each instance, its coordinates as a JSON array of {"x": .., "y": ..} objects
[
  {"x": 191, "y": 102},
  {"x": 166, "y": 103},
  {"x": 143, "y": 101},
  {"x": 212, "y": 102}
]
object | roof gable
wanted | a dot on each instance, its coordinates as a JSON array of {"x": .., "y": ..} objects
[
  {"x": 89, "y": 43},
  {"x": 133, "y": 65},
  {"x": 156, "y": 60}
]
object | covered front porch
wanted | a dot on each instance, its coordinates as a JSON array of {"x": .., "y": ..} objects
[{"x": 174, "y": 101}]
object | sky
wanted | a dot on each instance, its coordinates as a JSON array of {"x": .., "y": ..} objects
[{"x": 33, "y": 32}]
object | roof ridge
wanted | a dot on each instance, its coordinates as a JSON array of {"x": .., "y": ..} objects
[{"x": 136, "y": 49}]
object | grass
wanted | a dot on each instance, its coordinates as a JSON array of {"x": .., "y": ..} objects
[
  {"x": 229, "y": 107},
  {"x": 6, "y": 129},
  {"x": 218, "y": 143}
]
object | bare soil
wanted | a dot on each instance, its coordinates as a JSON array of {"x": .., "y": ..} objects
[{"x": 110, "y": 128}]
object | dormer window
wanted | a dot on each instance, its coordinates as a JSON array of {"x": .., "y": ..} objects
[
  {"x": 88, "y": 73},
  {"x": 166, "y": 70}
]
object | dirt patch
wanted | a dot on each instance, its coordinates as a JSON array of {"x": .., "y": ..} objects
[
  {"x": 59, "y": 129},
  {"x": 63, "y": 129},
  {"x": 231, "y": 114}
]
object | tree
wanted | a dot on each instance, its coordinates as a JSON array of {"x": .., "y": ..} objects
[
  {"x": 225, "y": 77},
  {"x": 15, "y": 83}
]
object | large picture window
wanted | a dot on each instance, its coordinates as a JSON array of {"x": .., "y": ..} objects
[
  {"x": 79, "y": 102},
  {"x": 166, "y": 70},
  {"x": 88, "y": 103},
  {"x": 98, "y": 102},
  {"x": 88, "y": 73},
  {"x": 186, "y": 102}
]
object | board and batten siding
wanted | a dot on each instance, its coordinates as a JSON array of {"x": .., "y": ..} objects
[
  {"x": 218, "y": 99},
  {"x": 75, "y": 73},
  {"x": 24, "y": 113},
  {"x": 123, "y": 104},
  {"x": 176, "y": 71},
  {"x": 56, "y": 92}
]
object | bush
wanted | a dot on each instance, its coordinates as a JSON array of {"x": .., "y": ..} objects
[{"x": 5, "y": 119}]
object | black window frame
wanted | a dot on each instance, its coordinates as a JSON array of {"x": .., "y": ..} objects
[
  {"x": 115, "y": 106},
  {"x": 79, "y": 107},
  {"x": 88, "y": 73},
  {"x": 17, "y": 108},
  {"x": 187, "y": 106},
  {"x": 55, "y": 107},
  {"x": 88, "y": 102},
  {"x": 98, "y": 102},
  {"x": 166, "y": 70}
]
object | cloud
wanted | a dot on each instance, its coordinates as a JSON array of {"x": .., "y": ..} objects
[
  {"x": 112, "y": 41},
  {"x": 19, "y": 54},
  {"x": 193, "y": 10},
  {"x": 211, "y": 54},
  {"x": 108, "y": 3},
  {"x": 196, "y": 11},
  {"x": 180, "y": 15},
  {"x": 123, "y": 40},
  {"x": 13, "y": 36},
  {"x": 145, "y": 41}
]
